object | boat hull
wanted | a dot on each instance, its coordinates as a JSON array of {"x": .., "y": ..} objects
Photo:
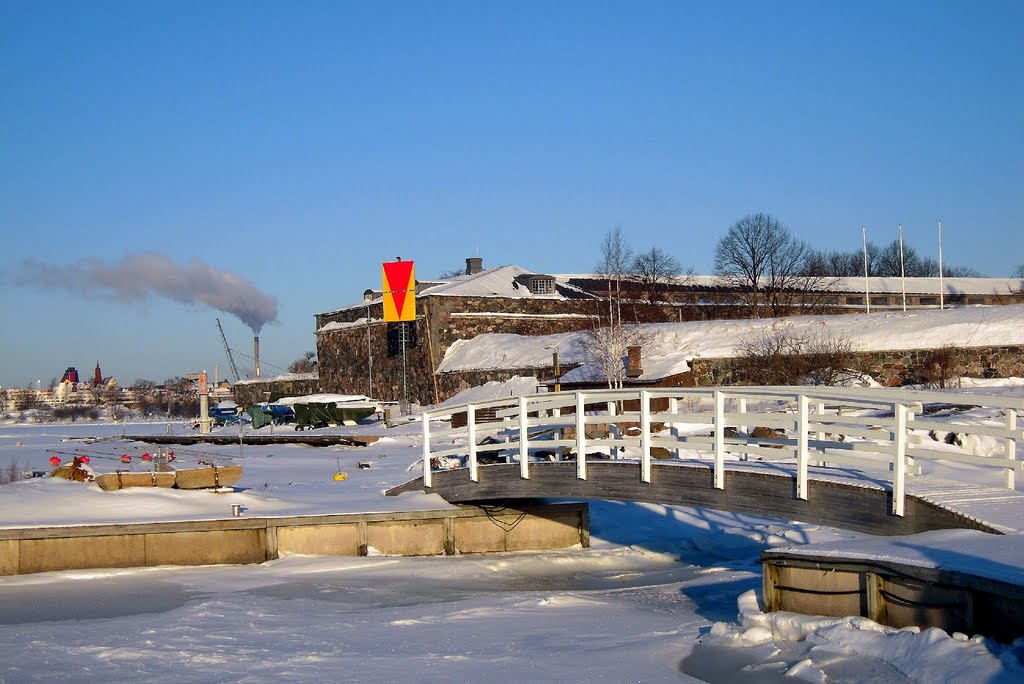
[
  {"x": 110, "y": 482},
  {"x": 207, "y": 477}
]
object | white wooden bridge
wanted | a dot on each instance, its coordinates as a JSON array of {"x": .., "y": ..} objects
[{"x": 846, "y": 457}]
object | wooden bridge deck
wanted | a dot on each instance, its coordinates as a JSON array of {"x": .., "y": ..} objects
[{"x": 835, "y": 498}]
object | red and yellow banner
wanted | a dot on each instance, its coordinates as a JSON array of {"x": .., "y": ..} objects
[{"x": 399, "y": 291}]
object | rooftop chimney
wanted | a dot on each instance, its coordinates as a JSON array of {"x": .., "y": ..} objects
[
  {"x": 633, "y": 367},
  {"x": 474, "y": 265}
]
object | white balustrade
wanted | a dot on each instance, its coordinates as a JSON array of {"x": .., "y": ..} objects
[{"x": 877, "y": 429}]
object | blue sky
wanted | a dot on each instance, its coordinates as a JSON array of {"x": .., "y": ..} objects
[{"x": 299, "y": 145}]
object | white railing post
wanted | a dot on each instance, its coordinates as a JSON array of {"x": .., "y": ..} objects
[
  {"x": 426, "y": 450},
  {"x": 474, "y": 473},
  {"x": 673, "y": 408},
  {"x": 801, "y": 447},
  {"x": 719, "y": 440},
  {"x": 819, "y": 411},
  {"x": 524, "y": 441},
  {"x": 645, "y": 436},
  {"x": 613, "y": 430},
  {"x": 899, "y": 470},
  {"x": 742, "y": 407},
  {"x": 1011, "y": 447},
  {"x": 581, "y": 438},
  {"x": 556, "y": 413}
]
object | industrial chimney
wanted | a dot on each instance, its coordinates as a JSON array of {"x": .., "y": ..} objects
[
  {"x": 474, "y": 265},
  {"x": 256, "y": 353}
]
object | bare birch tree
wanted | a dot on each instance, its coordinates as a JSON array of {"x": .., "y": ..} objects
[{"x": 608, "y": 339}]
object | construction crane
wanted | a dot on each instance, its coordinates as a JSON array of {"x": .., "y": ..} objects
[{"x": 227, "y": 350}]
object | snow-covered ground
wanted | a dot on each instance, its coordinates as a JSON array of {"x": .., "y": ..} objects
[{"x": 665, "y": 593}]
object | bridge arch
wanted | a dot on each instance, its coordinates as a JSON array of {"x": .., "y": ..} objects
[{"x": 839, "y": 457}]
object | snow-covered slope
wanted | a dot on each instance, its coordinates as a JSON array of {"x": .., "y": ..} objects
[{"x": 669, "y": 346}]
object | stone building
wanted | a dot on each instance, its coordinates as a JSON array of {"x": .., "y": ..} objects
[{"x": 358, "y": 353}]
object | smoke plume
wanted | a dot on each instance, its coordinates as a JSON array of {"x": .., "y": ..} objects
[{"x": 138, "y": 277}]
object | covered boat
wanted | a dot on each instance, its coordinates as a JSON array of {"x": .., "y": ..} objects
[{"x": 322, "y": 410}]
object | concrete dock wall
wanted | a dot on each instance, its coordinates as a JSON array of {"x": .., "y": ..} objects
[
  {"x": 892, "y": 594},
  {"x": 253, "y": 540}
]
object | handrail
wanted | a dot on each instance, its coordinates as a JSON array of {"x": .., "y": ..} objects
[{"x": 889, "y": 437}]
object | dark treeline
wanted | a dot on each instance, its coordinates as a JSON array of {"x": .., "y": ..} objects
[{"x": 882, "y": 262}]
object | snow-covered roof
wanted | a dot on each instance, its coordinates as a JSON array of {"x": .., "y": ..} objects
[
  {"x": 855, "y": 285},
  {"x": 668, "y": 347},
  {"x": 324, "y": 399},
  {"x": 279, "y": 378},
  {"x": 511, "y": 282}
]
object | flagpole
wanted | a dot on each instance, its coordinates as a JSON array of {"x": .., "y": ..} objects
[
  {"x": 941, "y": 288},
  {"x": 903, "y": 272},
  {"x": 867, "y": 294}
]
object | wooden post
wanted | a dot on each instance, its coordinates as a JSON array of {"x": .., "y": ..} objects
[
  {"x": 524, "y": 441},
  {"x": 448, "y": 527},
  {"x": 899, "y": 470},
  {"x": 819, "y": 411},
  {"x": 645, "y": 436},
  {"x": 1011, "y": 447},
  {"x": 673, "y": 408},
  {"x": 581, "y": 438},
  {"x": 719, "y": 440},
  {"x": 430, "y": 348},
  {"x": 742, "y": 405},
  {"x": 801, "y": 448},
  {"x": 613, "y": 429},
  {"x": 474, "y": 474},
  {"x": 425, "y": 417},
  {"x": 770, "y": 594},
  {"x": 875, "y": 599}
]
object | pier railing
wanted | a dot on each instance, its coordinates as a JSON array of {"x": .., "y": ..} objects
[{"x": 881, "y": 431}]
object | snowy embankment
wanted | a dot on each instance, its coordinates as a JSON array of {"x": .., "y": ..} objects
[{"x": 667, "y": 347}]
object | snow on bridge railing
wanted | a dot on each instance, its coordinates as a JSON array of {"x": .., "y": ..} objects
[{"x": 860, "y": 427}]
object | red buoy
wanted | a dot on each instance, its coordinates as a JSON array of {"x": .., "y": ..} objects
[
  {"x": 126, "y": 459},
  {"x": 83, "y": 459},
  {"x": 55, "y": 460},
  {"x": 147, "y": 457}
]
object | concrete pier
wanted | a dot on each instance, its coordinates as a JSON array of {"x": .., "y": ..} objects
[{"x": 467, "y": 529}]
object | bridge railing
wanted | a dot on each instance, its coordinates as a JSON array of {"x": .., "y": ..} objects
[{"x": 877, "y": 429}]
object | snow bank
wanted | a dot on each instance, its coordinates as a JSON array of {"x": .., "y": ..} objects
[
  {"x": 669, "y": 346},
  {"x": 930, "y": 655}
]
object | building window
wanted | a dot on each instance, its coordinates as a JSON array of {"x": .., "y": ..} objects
[
  {"x": 542, "y": 285},
  {"x": 928, "y": 301},
  {"x": 855, "y": 301}
]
